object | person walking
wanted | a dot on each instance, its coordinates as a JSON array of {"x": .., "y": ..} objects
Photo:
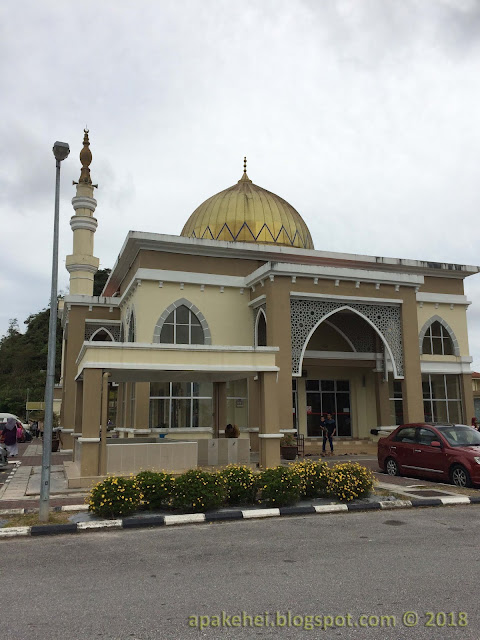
[
  {"x": 9, "y": 435},
  {"x": 330, "y": 429}
]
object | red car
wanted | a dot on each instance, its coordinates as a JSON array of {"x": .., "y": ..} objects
[{"x": 449, "y": 452}]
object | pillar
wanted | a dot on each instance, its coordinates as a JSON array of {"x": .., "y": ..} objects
[
  {"x": 253, "y": 411},
  {"x": 219, "y": 407},
  {"x": 279, "y": 334},
  {"x": 120, "y": 417},
  {"x": 269, "y": 436},
  {"x": 412, "y": 384},
  {"x": 467, "y": 397},
  {"x": 384, "y": 414},
  {"x": 91, "y": 419},
  {"x": 141, "y": 418}
]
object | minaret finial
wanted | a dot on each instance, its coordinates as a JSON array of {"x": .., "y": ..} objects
[
  {"x": 244, "y": 177},
  {"x": 85, "y": 159}
]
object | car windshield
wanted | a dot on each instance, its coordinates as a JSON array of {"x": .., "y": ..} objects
[{"x": 460, "y": 435}]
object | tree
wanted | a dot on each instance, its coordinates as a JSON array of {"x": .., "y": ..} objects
[
  {"x": 23, "y": 362},
  {"x": 99, "y": 280}
]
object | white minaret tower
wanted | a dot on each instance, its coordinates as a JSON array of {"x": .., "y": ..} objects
[{"x": 82, "y": 264}]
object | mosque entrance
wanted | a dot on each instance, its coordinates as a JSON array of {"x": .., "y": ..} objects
[{"x": 328, "y": 396}]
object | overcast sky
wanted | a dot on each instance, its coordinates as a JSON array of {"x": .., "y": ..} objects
[{"x": 363, "y": 114}]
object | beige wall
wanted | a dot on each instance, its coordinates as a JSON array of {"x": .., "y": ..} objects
[
  {"x": 456, "y": 319},
  {"x": 228, "y": 316}
]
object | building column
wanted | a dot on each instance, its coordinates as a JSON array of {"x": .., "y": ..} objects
[
  {"x": 120, "y": 417},
  {"x": 467, "y": 397},
  {"x": 91, "y": 420},
  {"x": 78, "y": 409},
  {"x": 279, "y": 334},
  {"x": 269, "y": 436},
  {"x": 301, "y": 406},
  {"x": 412, "y": 384},
  {"x": 253, "y": 411},
  {"x": 127, "y": 416},
  {"x": 383, "y": 401},
  {"x": 142, "y": 405},
  {"x": 219, "y": 407}
]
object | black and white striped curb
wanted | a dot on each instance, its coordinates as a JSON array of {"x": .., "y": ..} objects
[{"x": 135, "y": 522}]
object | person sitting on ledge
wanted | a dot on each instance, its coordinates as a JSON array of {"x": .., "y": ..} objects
[{"x": 232, "y": 431}]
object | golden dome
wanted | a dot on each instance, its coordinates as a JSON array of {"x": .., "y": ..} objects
[{"x": 248, "y": 213}]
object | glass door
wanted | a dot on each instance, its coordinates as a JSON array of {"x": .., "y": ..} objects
[{"x": 328, "y": 396}]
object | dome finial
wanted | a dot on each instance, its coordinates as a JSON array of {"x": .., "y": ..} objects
[
  {"x": 244, "y": 177},
  {"x": 85, "y": 159}
]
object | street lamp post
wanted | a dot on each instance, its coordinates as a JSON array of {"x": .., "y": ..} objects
[{"x": 60, "y": 151}]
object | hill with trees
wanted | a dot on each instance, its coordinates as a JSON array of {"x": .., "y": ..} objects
[{"x": 23, "y": 357}]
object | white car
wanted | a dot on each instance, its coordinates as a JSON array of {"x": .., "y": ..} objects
[{"x": 5, "y": 416}]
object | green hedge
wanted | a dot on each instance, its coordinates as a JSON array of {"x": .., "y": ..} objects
[
  {"x": 198, "y": 490},
  {"x": 157, "y": 489},
  {"x": 115, "y": 496},
  {"x": 279, "y": 487},
  {"x": 241, "y": 484}
]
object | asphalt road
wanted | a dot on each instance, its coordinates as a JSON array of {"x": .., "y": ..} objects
[{"x": 144, "y": 584}]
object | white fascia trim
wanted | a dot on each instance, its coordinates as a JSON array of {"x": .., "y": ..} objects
[
  {"x": 95, "y": 301},
  {"x": 154, "y": 346},
  {"x": 181, "y": 430},
  {"x": 119, "y": 366},
  {"x": 190, "y": 277},
  {"x": 445, "y": 367},
  {"x": 257, "y": 301},
  {"x": 342, "y": 355},
  {"x": 270, "y": 435},
  {"x": 137, "y": 241},
  {"x": 442, "y": 298},
  {"x": 360, "y": 299},
  {"x": 333, "y": 273},
  {"x": 102, "y": 322}
]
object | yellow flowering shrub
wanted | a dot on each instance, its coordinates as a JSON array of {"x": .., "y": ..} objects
[
  {"x": 279, "y": 486},
  {"x": 157, "y": 489},
  {"x": 349, "y": 481},
  {"x": 198, "y": 490},
  {"x": 241, "y": 484},
  {"x": 313, "y": 476},
  {"x": 115, "y": 496}
]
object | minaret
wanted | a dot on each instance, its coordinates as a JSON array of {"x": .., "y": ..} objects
[{"x": 82, "y": 264}]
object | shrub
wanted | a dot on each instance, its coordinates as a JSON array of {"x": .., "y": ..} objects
[
  {"x": 198, "y": 490},
  {"x": 241, "y": 484},
  {"x": 349, "y": 481},
  {"x": 115, "y": 496},
  {"x": 313, "y": 476},
  {"x": 157, "y": 488},
  {"x": 279, "y": 486}
]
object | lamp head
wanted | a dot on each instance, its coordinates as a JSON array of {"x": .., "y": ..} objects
[{"x": 61, "y": 150}]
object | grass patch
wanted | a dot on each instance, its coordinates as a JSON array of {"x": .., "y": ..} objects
[{"x": 30, "y": 519}]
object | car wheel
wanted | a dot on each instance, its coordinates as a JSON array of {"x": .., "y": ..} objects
[
  {"x": 460, "y": 476},
  {"x": 391, "y": 467}
]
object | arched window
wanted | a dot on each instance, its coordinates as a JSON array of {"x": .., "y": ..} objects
[
  {"x": 261, "y": 330},
  {"x": 182, "y": 327},
  {"x": 131, "y": 328},
  {"x": 102, "y": 335},
  {"x": 437, "y": 340}
]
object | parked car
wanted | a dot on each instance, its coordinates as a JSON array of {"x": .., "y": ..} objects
[
  {"x": 3, "y": 420},
  {"x": 447, "y": 452}
]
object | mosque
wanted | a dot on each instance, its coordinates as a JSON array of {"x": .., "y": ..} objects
[{"x": 240, "y": 319}]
